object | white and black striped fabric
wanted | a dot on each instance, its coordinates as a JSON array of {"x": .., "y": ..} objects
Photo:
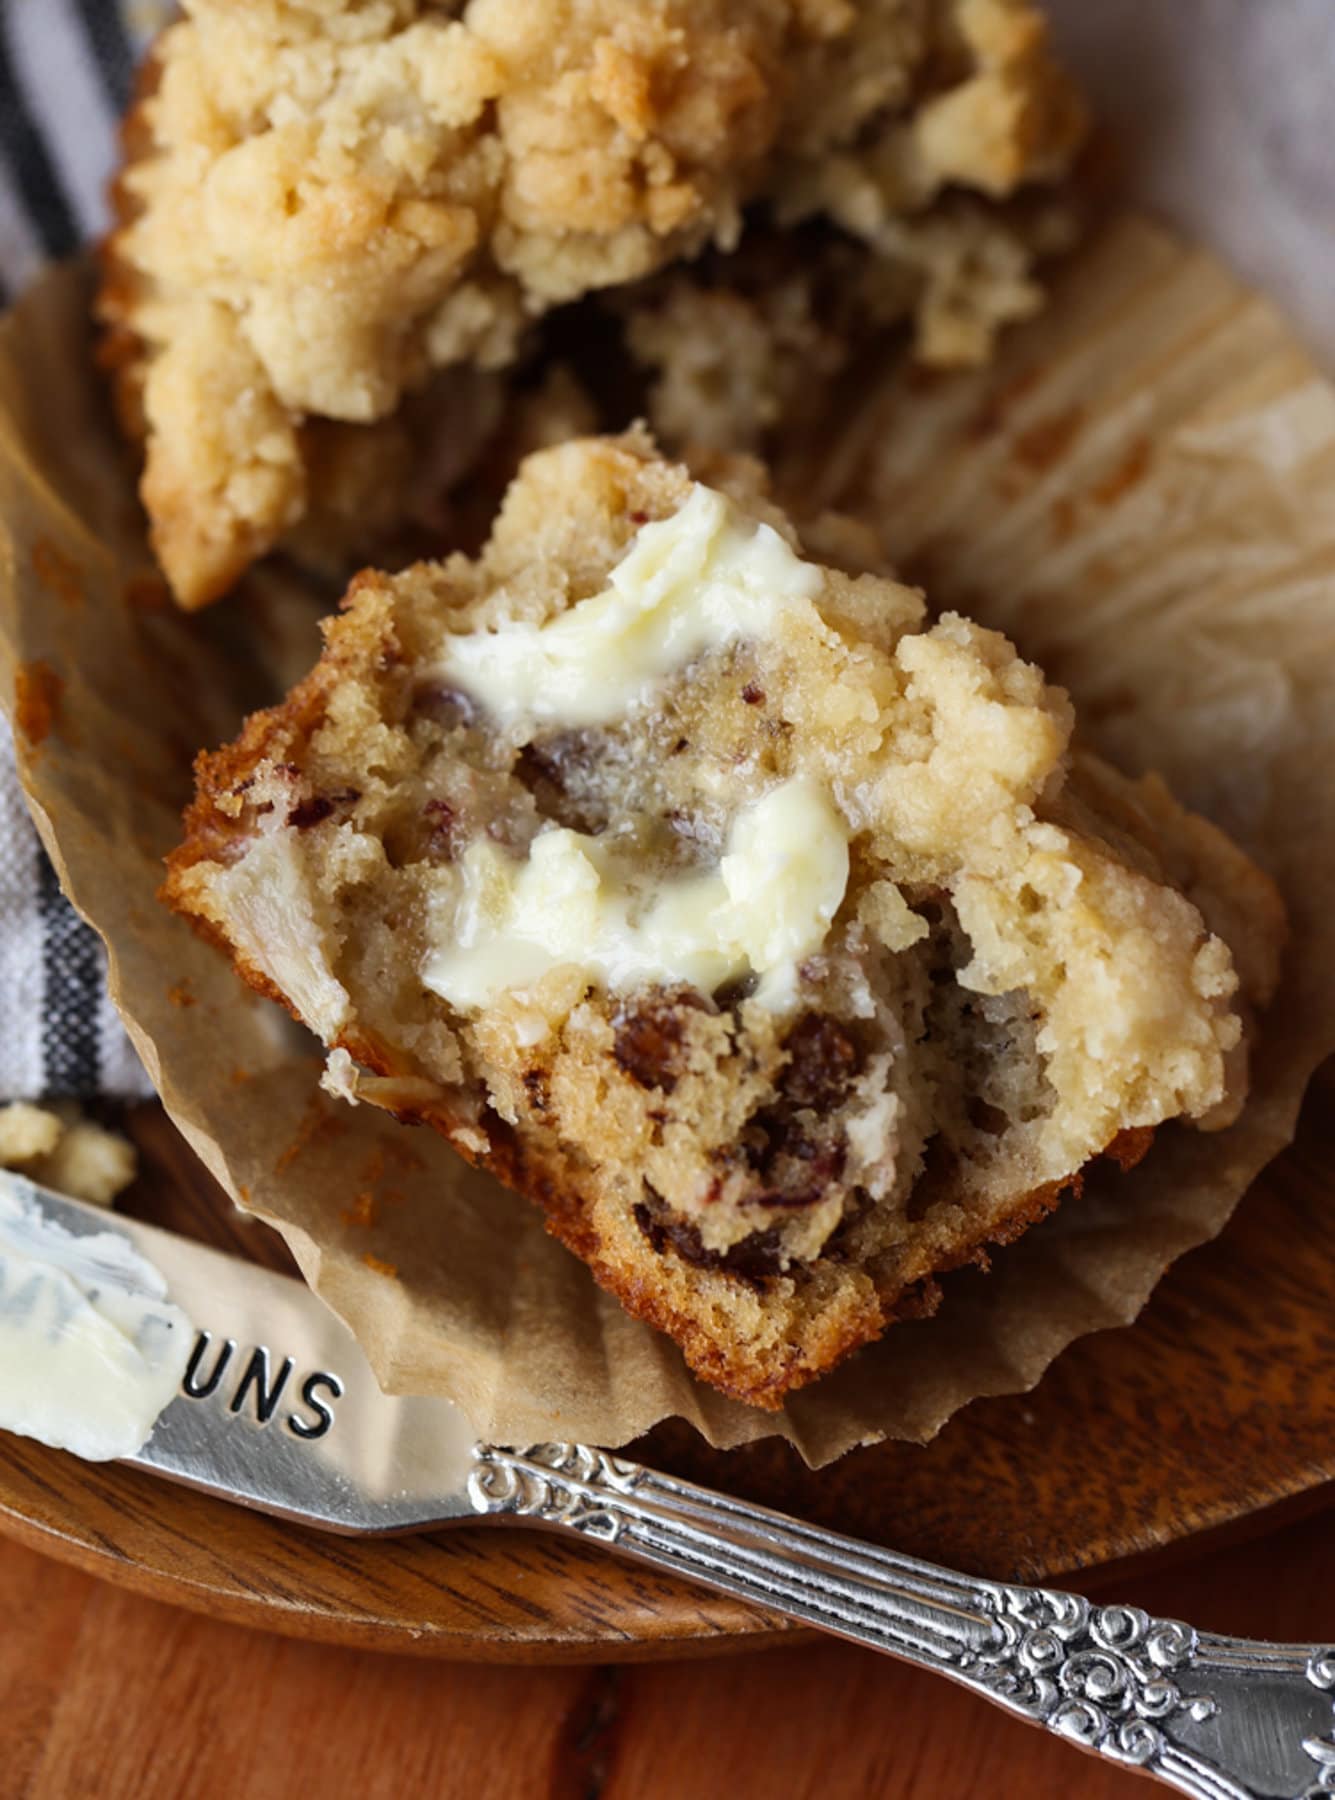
[{"x": 66, "y": 68}]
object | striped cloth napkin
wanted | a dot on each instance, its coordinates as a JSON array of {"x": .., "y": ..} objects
[{"x": 66, "y": 68}]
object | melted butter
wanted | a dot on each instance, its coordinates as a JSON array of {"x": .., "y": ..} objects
[
  {"x": 705, "y": 577},
  {"x": 91, "y": 1350},
  {"x": 769, "y": 904}
]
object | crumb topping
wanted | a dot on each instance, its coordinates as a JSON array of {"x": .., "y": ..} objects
[{"x": 329, "y": 200}]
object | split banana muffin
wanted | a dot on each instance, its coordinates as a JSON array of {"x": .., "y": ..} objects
[
  {"x": 330, "y": 205},
  {"x": 768, "y": 934}
]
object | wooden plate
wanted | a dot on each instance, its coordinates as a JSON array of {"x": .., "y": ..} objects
[{"x": 1215, "y": 1405}]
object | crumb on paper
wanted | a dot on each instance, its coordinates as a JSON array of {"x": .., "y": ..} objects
[
  {"x": 90, "y": 1163},
  {"x": 364, "y": 1208},
  {"x": 180, "y": 994},
  {"x": 379, "y": 1265},
  {"x": 37, "y": 695},
  {"x": 402, "y": 1156},
  {"x": 64, "y": 1151},
  {"x": 27, "y": 1132},
  {"x": 59, "y": 574},
  {"x": 1063, "y": 518},
  {"x": 1043, "y": 444},
  {"x": 315, "y": 1123},
  {"x": 1126, "y": 474},
  {"x": 363, "y": 1211},
  {"x": 146, "y": 593}
]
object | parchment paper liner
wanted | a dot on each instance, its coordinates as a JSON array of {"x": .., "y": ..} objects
[{"x": 1142, "y": 493}]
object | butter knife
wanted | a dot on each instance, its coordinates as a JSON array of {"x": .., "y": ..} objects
[{"x": 278, "y": 1409}]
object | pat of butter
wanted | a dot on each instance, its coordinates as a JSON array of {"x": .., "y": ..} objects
[
  {"x": 769, "y": 904},
  {"x": 705, "y": 577},
  {"x": 91, "y": 1350}
]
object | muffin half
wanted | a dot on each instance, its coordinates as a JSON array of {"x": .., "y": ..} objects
[{"x": 767, "y": 934}]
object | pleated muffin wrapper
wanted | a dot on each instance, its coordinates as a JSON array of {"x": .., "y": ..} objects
[{"x": 1141, "y": 493}]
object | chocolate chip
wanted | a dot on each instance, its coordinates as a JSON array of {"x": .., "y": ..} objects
[
  {"x": 556, "y": 770},
  {"x": 795, "y": 1146},
  {"x": 650, "y": 1034},
  {"x": 985, "y": 1117},
  {"x": 795, "y": 1169},
  {"x": 310, "y": 812},
  {"x": 445, "y": 705},
  {"x": 649, "y": 1225},
  {"x": 730, "y": 996},
  {"x": 822, "y": 1061},
  {"x": 755, "y": 1259},
  {"x": 820, "y": 1167},
  {"x": 753, "y": 695},
  {"x": 319, "y": 807}
]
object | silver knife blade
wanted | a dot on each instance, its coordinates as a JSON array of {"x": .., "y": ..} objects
[{"x": 278, "y": 1408}]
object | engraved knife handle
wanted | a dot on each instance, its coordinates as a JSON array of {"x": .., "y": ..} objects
[{"x": 1216, "y": 1717}]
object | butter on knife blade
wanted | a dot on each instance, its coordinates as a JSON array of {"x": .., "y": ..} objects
[
  {"x": 91, "y": 1348},
  {"x": 121, "y": 1340}
]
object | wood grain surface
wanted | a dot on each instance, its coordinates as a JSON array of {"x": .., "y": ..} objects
[
  {"x": 105, "y": 1694},
  {"x": 1215, "y": 1405}
]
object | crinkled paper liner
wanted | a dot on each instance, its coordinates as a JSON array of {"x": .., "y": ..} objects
[{"x": 1142, "y": 493}]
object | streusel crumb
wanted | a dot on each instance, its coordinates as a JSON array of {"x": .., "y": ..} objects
[
  {"x": 61, "y": 1149},
  {"x": 327, "y": 201}
]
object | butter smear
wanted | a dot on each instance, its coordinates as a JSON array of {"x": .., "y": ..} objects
[
  {"x": 705, "y": 577},
  {"x": 698, "y": 581},
  {"x": 769, "y": 903},
  {"x": 91, "y": 1350}
]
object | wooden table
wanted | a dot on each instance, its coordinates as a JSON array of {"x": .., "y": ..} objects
[{"x": 107, "y": 1695}]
